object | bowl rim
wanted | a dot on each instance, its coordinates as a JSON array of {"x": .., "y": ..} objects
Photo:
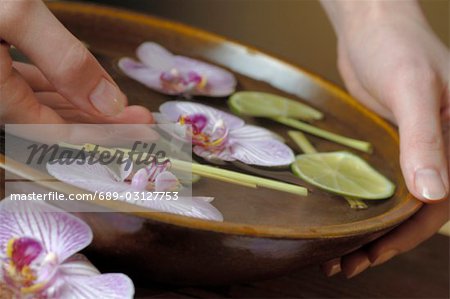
[{"x": 400, "y": 212}]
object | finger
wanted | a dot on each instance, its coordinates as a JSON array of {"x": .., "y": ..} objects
[
  {"x": 34, "y": 77},
  {"x": 66, "y": 63},
  {"x": 416, "y": 105},
  {"x": 332, "y": 267},
  {"x": 355, "y": 263},
  {"x": 411, "y": 233},
  {"x": 130, "y": 115},
  {"x": 17, "y": 101}
]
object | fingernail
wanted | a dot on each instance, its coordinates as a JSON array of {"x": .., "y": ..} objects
[
  {"x": 429, "y": 184},
  {"x": 384, "y": 257},
  {"x": 333, "y": 270},
  {"x": 107, "y": 98},
  {"x": 359, "y": 268}
]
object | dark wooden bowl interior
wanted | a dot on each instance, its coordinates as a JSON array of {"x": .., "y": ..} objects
[{"x": 112, "y": 34}]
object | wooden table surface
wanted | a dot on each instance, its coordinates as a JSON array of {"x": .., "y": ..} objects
[{"x": 420, "y": 273}]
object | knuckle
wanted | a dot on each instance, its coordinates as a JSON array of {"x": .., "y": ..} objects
[
  {"x": 12, "y": 12},
  {"x": 429, "y": 141},
  {"x": 73, "y": 63},
  {"x": 411, "y": 83},
  {"x": 414, "y": 73}
]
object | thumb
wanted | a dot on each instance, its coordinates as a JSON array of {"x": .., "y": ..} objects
[
  {"x": 422, "y": 153},
  {"x": 64, "y": 60}
]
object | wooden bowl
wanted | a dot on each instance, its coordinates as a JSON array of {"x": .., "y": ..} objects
[{"x": 266, "y": 232}]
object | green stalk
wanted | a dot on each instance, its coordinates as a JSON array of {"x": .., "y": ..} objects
[
  {"x": 214, "y": 173},
  {"x": 302, "y": 142},
  {"x": 306, "y": 146},
  {"x": 355, "y": 203},
  {"x": 353, "y": 143}
]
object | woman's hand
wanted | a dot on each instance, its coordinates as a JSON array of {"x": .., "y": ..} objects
[
  {"x": 66, "y": 84},
  {"x": 392, "y": 62}
]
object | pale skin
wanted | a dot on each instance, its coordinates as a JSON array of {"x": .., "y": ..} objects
[
  {"x": 65, "y": 84},
  {"x": 392, "y": 62}
]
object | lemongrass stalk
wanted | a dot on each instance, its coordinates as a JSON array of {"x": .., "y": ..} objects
[
  {"x": 230, "y": 180},
  {"x": 355, "y": 203},
  {"x": 209, "y": 171},
  {"x": 350, "y": 142},
  {"x": 214, "y": 172},
  {"x": 303, "y": 143}
]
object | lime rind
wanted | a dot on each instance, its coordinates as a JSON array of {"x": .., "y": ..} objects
[
  {"x": 262, "y": 104},
  {"x": 343, "y": 173}
]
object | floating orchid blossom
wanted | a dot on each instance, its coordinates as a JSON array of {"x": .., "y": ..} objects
[
  {"x": 177, "y": 75},
  {"x": 38, "y": 246},
  {"x": 154, "y": 177},
  {"x": 218, "y": 135}
]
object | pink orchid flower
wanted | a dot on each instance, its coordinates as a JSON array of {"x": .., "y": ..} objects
[
  {"x": 177, "y": 75},
  {"x": 38, "y": 260},
  {"x": 217, "y": 135},
  {"x": 154, "y": 177}
]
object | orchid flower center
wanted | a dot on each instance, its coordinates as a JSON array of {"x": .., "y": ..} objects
[
  {"x": 28, "y": 269},
  {"x": 145, "y": 177},
  {"x": 183, "y": 82},
  {"x": 211, "y": 137}
]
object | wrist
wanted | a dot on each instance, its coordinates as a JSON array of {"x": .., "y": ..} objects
[{"x": 349, "y": 15}]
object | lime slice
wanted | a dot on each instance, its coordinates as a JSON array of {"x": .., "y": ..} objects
[
  {"x": 343, "y": 173},
  {"x": 261, "y": 104}
]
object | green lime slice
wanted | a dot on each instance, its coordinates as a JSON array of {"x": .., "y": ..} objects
[
  {"x": 261, "y": 104},
  {"x": 343, "y": 173}
]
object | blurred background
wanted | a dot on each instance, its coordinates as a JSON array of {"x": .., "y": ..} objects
[{"x": 295, "y": 30}]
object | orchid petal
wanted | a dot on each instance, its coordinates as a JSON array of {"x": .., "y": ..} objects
[
  {"x": 59, "y": 232},
  {"x": 173, "y": 110},
  {"x": 149, "y": 174},
  {"x": 166, "y": 181},
  {"x": 262, "y": 152},
  {"x": 205, "y": 198},
  {"x": 92, "y": 177},
  {"x": 222, "y": 154},
  {"x": 253, "y": 133},
  {"x": 161, "y": 119},
  {"x": 78, "y": 265},
  {"x": 155, "y": 56},
  {"x": 140, "y": 179},
  {"x": 157, "y": 62},
  {"x": 147, "y": 76},
  {"x": 220, "y": 82},
  {"x": 121, "y": 171},
  {"x": 185, "y": 206},
  {"x": 105, "y": 286}
]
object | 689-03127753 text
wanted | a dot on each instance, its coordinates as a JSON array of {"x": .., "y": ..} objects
[{"x": 104, "y": 196}]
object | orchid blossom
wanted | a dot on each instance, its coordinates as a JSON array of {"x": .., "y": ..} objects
[
  {"x": 154, "y": 177},
  {"x": 217, "y": 135},
  {"x": 38, "y": 260},
  {"x": 177, "y": 75}
]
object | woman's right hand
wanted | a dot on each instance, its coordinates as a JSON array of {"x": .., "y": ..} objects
[{"x": 66, "y": 84}]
